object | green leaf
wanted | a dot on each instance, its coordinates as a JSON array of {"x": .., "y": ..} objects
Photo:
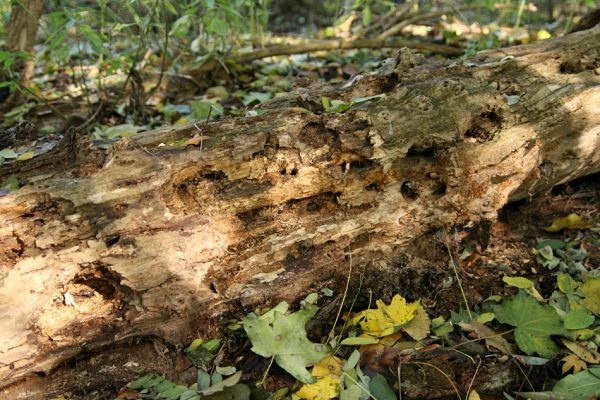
[
  {"x": 534, "y": 324},
  {"x": 554, "y": 244},
  {"x": 189, "y": 394},
  {"x": 284, "y": 337},
  {"x": 201, "y": 109},
  {"x": 8, "y": 153},
  {"x": 172, "y": 393},
  {"x": 256, "y": 97},
  {"x": 203, "y": 380},
  {"x": 11, "y": 183},
  {"x": 218, "y": 387},
  {"x": 212, "y": 345},
  {"x": 517, "y": 281},
  {"x": 566, "y": 284},
  {"x": 93, "y": 36},
  {"x": 352, "y": 361},
  {"x": 142, "y": 382},
  {"x": 351, "y": 393},
  {"x": 226, "y": 370},
  {"x": 591, "y": 292},
  {"x": 380, "y": 388},
  {"x": 578, "y": 319},
  {"x": 584, "y": 385},
  {"x": 235, "y": 392}
]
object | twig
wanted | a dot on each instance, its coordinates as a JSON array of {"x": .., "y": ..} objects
[
  {"x": 464, "y": 296},
  {"x": 473, "y": 379},
  {"x": 337, "y": 317}
]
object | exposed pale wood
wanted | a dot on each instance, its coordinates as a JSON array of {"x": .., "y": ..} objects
[{"x": 162, "y": 240}]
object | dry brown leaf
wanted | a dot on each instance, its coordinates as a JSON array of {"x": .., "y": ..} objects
[
  {"x": 491, "y": 337},
  {"x": 589, "y": 356},
  {"x": 196, "y": 140}
]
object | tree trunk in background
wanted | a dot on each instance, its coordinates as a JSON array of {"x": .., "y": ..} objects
[
  {"x": 21, "y": 32},
  {"x": 162, "y": 241}
]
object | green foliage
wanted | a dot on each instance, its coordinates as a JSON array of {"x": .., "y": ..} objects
[
  {"x": 584, "y": 385},
  {"x": 283, "y": 336},
  {"x": 534, "y": 324},
  {"x": 381, "y": 389},
  {"x": 207, "y": 386},
  {"x": 566, "y": 256}
]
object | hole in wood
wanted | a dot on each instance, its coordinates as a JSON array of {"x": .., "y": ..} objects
[{"x": 409, "y": 191}]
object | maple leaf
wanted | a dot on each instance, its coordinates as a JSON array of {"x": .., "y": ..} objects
[
  {"x": 533, "y": 322},
  {"x": 283, "y": 337},
  {"x": 328, "y": 372},
  {"x": 386, "y": 319},
  {"x": 572, "y": 361}
]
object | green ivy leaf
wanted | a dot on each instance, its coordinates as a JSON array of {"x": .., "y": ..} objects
[
  {"x": 534, "y": 324},
  {"x": 284, "y": 337}
]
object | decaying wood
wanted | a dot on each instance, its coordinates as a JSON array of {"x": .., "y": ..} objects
[{"x": 162, "y": 238}]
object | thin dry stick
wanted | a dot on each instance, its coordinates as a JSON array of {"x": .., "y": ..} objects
[
  {"x": 473, "y": 379},
  {"x": 456, "y": 273},
  {"x": 337, "y": 317},
  {"x": 525, "y": 375},
  {"x": 399, "y": 380}
]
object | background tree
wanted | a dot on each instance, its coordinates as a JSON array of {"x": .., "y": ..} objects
[{"x": 21, "y": 32}]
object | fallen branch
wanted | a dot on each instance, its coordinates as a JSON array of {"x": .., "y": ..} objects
[{"x": 325, "y": 45}]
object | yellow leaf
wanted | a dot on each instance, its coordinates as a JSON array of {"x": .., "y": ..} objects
[
  {"x": 182, "y": 120},
  {"x": 330, "y": 365},
  {"x": 325, "y": 388},
  {"x": 26, "y": 156},
  {"x": 386, "y": 319},
  {"x": 473, "y": 395},
  {"x": 398, "y": 311},
  {"x": 572, "y": 361},
  {"x": 543, "y": 34},
  {"x": 571, "y": 221}
]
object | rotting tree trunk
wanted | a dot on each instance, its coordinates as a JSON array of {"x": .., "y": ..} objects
[{"x": 160, "y": 239}]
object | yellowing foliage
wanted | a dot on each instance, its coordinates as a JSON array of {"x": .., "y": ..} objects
[
  {"x": 328, "y": 372},
  {"x": 571, "y": 221},
  {"x": 386, "y": 319}
]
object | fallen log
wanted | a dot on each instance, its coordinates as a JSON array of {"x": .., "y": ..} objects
[{"x": 161, "y": 240}]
